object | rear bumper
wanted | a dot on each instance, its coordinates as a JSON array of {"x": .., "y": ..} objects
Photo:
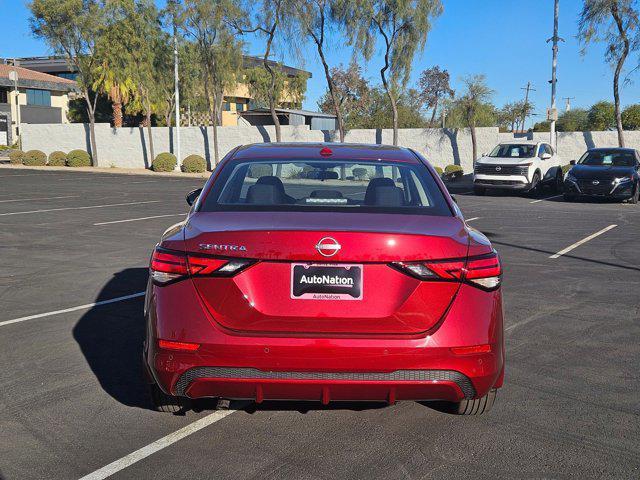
[{"x": 325, "y": 368}]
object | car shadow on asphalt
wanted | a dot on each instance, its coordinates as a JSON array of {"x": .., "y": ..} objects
[{"x": 111, "y": 339}]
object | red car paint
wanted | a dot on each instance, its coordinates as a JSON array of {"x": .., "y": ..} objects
[{"x": 244, "y": 336}]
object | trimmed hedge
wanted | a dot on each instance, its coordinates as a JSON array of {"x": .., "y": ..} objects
[
  {"x": 78, "y": 158},
  {"x": 438, "y": 170},
  {"x": 15, "y": 157},
  {"x": 194, "y": 164},
  {"x": 449, "y": 169},
  {"x": 164, "y": 162},
  {"x": 34, "y": 158},
  {"x": 57, "y": 159}
]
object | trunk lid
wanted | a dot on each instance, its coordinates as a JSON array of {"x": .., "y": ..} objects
[{"x": 262, "y": 300}]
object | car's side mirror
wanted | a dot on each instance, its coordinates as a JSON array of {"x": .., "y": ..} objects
[
  {"x": 545, "y": 156},
  {"x": 192, "y": 196},
  {"x": 572, "y": 162}
]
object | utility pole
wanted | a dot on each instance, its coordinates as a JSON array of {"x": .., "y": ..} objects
[
  {"x": 553, "y": 112},
  {"x": 528, "y": 88},
  {"x": 567, "y": 103},
  {"x": 177, "y": 84}
]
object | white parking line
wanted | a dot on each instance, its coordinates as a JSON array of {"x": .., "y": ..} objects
[
  {"x": 156, "y": 446},
  {"x": 41, "y": 198},
  {"x": 139, "y": 218},
  {"x": 472, "y": 219},
  {"x": 547, "y": 198},
  {"x": 581, "y": 242},
  {"x": 77, "y": 208},
  {"x": 72, "y": 309}
]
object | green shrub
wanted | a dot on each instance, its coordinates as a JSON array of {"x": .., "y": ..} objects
[
  {"x": 257, "y": 171},
  {"x": 57, "y": 159},
  {"x": 566, "y": 168},
  {"x": 451, "y": 169},
  {"x": 34, "y": 158},
  {"x": 438, "y": 170},
  {"x": 78, "y": 158},
  {"x": 194, "y": 164},
  {"x": 164, "y": 162},
  {"x": 15, "y": 157}
]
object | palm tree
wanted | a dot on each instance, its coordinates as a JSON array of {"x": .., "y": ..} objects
[{"x": 119, "y": 89}]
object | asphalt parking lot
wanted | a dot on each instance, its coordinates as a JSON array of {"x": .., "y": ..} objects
[{"x": 72, "y": 399}]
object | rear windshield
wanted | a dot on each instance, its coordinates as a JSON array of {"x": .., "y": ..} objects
[
  {"x": 337, "y": 186},
  {"x": 613, "y": 158},
  {"x": 514, "y": 150}
]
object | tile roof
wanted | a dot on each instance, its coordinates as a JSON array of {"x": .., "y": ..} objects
[{"x": 26, "y": 74}]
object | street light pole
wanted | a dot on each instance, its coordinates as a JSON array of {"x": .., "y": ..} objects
[
  {"x": 177, "y": 87},
  {"x": 553, "y": 112},
  {"x": 13, "y": 75}
]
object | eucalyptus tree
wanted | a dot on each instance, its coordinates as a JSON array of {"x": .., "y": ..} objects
[
  {"x": 473, "y": 104},
  {"x": 72, "y": 28},
  {"x": 271, "y": 17},
  {"x": 218, "y": 51},
  {"x": 614, "y": 22},
  {"x": 403, "y": 26},
  {"x": 315, "y": 17}
]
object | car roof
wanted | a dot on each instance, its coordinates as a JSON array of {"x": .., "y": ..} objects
[{"x": 311, "y": 151}]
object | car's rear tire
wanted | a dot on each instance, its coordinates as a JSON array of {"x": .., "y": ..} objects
[
  {"x": 479, "y": 191},
  {"x": 477, "y": 406},
  {"x": 163, "y": 402}
]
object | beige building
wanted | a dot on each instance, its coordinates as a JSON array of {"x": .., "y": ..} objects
[
  {"x": 27, "y": 96},
  {"x": 235, "y": 102}
]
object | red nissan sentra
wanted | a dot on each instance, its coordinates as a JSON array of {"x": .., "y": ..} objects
[{"x": 324, "y": 272}]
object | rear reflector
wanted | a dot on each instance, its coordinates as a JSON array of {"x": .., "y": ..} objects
[
  {"x": 326, "y": 152},
  {"x": 180, "y": 346},
  {"x": 471, "y": 350},
  {"x": 482, "y": 271},
  {"x": 168, "y": 266}
]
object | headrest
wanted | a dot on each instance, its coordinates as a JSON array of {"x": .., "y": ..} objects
[
  {"x": 388, "y": 197},
  {"x": 271, "y": 180},
  {"x": 264, "y": 195},
  {"x": 373, "y": 184}
]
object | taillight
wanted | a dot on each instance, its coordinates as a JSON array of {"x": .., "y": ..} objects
[
  {"x": 169, "y": 266},
  {"x": 482, "y": 271},
  {"x": 178, "y": 346}
]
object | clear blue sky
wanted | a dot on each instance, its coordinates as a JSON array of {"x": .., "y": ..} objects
[{"x": 503, "y": 39}]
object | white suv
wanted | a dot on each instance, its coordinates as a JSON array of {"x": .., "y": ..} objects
[{"x": 523, "y": 165}]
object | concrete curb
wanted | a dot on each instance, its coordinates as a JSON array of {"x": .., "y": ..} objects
[{"x": 117, "y": 171}]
